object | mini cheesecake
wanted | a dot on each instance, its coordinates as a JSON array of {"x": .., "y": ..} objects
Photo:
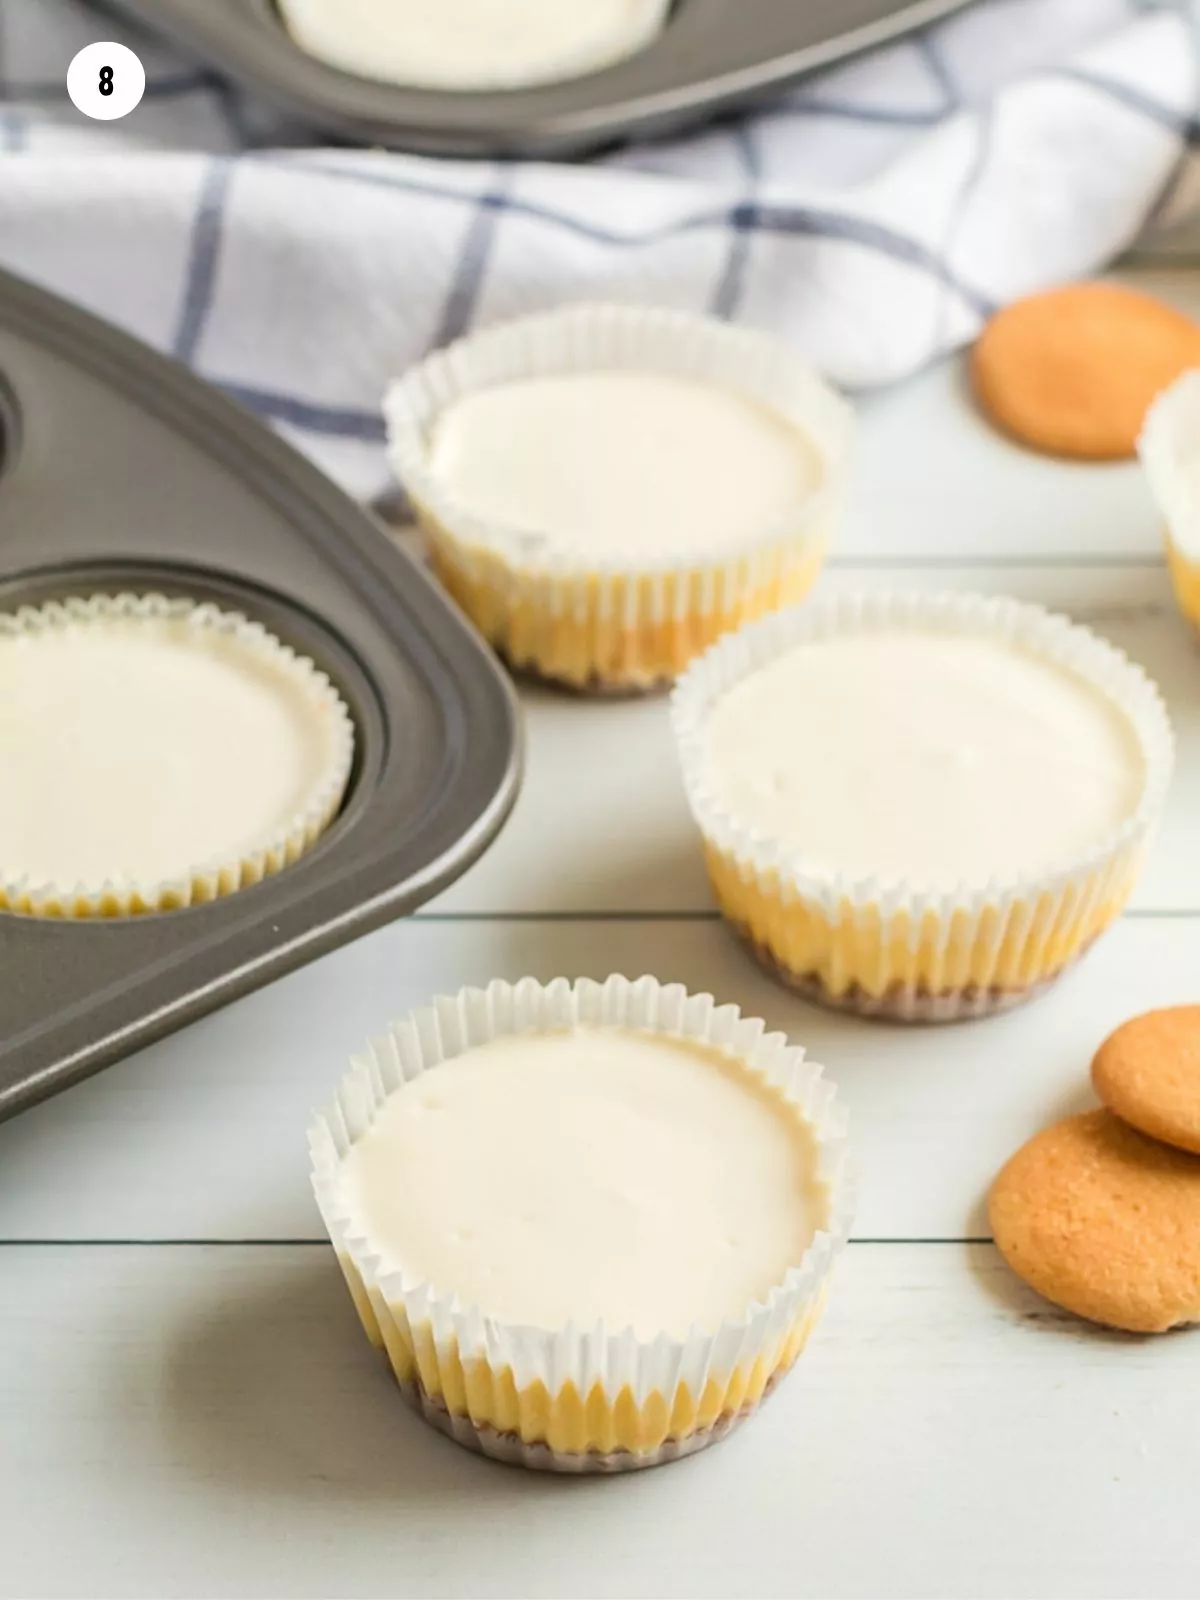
[
  {"x": 921, "y": 806},
  {"x": 607, "y": 489},
  {"x": 590, "y": 1224}
]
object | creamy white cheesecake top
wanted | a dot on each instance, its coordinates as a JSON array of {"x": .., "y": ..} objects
[
  {"x": 592, "y": 1174},
  {"x": 138, "y": 748},
  {"x": 472, "y": 44},
  {"x": 625, "y": 462},
  {"x": 932, "y": 759}
]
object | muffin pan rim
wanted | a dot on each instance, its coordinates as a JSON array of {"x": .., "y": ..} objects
[{"x": 248, "y": 40}]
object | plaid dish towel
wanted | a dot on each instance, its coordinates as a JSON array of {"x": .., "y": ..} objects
[{"x": 873, "y": 217}]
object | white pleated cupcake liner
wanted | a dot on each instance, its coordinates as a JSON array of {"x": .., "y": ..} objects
[
  {"x": 528, "y": 572},
  {"x": 1169, "y": 450},
  {"x": 985, "y": 918},
  {"x": 209, "y": 880},
  {"x": 319, "y": 32},
  {"x": 582, "y": 1356},
  {"x": 1168, "y": 445}
]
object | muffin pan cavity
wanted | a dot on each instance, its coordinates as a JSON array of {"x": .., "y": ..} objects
[
  {"x": 134, "y": 479},
  {"x": 710, "y": 56}
]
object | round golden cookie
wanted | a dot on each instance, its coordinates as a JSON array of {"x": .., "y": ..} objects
[
  {"x": 1104, "y": 1222},
  {"x": 1072, "y": 371},
  {"x": 1148, "y": 1072}
]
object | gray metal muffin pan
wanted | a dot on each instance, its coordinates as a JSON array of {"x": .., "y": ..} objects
[
  {"x": 122, "y": 472},
  {"x": 712, "y": 55}
]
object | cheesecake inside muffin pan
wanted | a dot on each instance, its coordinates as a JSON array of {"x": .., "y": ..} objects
[
  {"x": 122, "y": 474},
  {"x": 711, "y": 55}
]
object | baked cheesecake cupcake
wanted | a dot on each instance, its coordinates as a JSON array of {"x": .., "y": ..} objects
[
  {"x": 591, "y": 1224},
  {"x": 921, "y": 806},
  {"x": 1169, "y": 448},
  {"x": 606, "y": 489},
  {"x": 472, "y": 45},
  {"x": 157, "y": 753}
]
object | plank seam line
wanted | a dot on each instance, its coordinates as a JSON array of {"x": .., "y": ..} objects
[
  {"x": 309, "y": 1244},
  {"x": 1122, "y": 559},
  {"x": 1137, "y": 914}
]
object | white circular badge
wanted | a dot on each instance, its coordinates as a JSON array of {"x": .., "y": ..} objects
[{"x": 106, "y": 81}]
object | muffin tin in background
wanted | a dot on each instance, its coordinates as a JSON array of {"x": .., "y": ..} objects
[
  {"x": 711, "y": 56},
  {"x": 120, "y": 472}
]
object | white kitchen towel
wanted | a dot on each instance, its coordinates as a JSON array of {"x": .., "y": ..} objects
[{"x": 873, "y": 217}]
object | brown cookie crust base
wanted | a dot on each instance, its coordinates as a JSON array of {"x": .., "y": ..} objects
[
  {"x": 514, "y": 1451},
  {"x": 899, "y": 1003},
  {"x": 593, "y": 688}
]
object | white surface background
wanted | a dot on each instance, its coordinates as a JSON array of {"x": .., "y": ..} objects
[{"x": 187, "y": 1405}]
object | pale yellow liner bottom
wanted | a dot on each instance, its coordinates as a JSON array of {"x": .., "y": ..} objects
[
  {"x": 857, "y": 960},
  {"x": 597, "y": 646},
  {"x": 200, "y": 889},
  {"x": 1185, "y": 579},
  {"x": 567, "y": 1432}
]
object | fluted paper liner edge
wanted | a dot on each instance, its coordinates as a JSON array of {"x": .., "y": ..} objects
[{"x": 1170, "y": 437}]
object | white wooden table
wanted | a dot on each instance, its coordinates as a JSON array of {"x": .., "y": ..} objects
[{"x": 187, "y": 1406}]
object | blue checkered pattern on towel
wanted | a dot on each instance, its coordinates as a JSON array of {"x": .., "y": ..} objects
[{"x": 872, "y": 217}]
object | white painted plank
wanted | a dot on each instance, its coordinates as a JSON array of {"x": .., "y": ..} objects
[
  {"x": 202, "y": 1136},
  {"x": 182, "y": 1422},
  {"x": 932, "y": 478},
  {"x": 602, "y": 825}
]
